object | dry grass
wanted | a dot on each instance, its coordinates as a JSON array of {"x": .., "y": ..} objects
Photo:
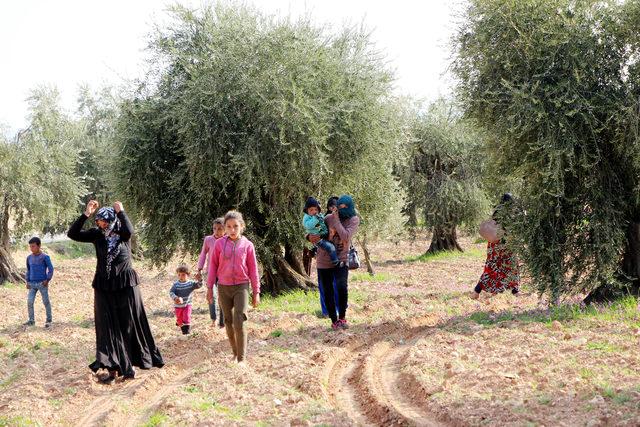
[{"x": 505, "y": 362}]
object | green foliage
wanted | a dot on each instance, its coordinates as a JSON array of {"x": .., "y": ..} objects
[
  {"x": 98, "y": 113},
  {"x": 556, "y": 84},
  {"x": 253, "y": 112},
  {"x": 40, "y": 188},
  {"x": 443, "y": 172}
]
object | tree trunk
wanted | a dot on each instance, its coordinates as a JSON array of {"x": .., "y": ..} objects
[
  {"x": 8, "y": 270},
  {"x": 294, "y": 260},
  {"x": 136, "y": 251},
  {"x": 307, "y": 260},
  {"x": 367, "y": 256},
  {"x": 4, "y": 227},
  {"x": 284, "y": 278},
  {"x": 630, "y": 271},
  {"x": 444, "y": 239}
]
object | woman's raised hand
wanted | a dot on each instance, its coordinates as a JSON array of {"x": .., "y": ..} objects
[
  {"x": 92, "y": 206},
  {"x": 117, "y": 206}
]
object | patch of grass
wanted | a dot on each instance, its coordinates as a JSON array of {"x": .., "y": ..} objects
[
  {"x": 17, "y": 422},
  {"x": 448, "y": 255},
  {"x": 479, "y": 240},
  {"x": 192, "y": 389},
  {"x": 70, "y": 391},
  {"x": 624, "y": 310},
  {"x": 208, "y": 404},
  {"x": 586, "y": 373},
  {"x": 156, "y": 419},
  {"x": 15, "y": 353},
  {"x": 82, "y": 321},
  {"x": 13, "y": 377},
  {"x": 621, "y": 398},
  {"x": 299, "y": 301},
  {"x": 69, "y": 249},
  {"x": 56, "y": 403},
  {"x": 545, "y": 399},
  {"x": 276, "y": 333},
  {"x": 602, "y": 346},
  {"x": 55, "y": 347},
  {"x": 363, "y": 276}
]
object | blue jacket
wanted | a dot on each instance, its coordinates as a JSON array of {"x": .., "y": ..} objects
[
  {"x": 39, "y": 268},
  {"x": 315, "y": 224}
]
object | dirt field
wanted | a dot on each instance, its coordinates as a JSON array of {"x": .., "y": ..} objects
[{"x": 419, "y": 352}]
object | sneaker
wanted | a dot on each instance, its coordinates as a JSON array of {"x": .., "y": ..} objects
[
  {"x": 342, "y": 324},
  {"x": 47, "y": 325},
  {"x": 29, "y": 323},
  {"x": 335, "y": 325}
]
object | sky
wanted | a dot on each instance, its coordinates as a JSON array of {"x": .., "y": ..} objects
[{"x": 67, "y": 43}]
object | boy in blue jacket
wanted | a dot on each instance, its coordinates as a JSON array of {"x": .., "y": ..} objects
[
  {"x": 39, "y": 274},
  {"x": 313, "y": 222}
]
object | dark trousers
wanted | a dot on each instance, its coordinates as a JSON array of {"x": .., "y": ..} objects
[{"x": 340, "y": 275}]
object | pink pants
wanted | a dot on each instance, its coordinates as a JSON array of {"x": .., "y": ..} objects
[{"x": 183, "y": 315}]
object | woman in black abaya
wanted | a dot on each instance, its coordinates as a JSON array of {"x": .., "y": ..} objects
[{"x": 123, "y": 337}]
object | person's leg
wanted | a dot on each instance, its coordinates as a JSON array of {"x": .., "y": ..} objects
[
  {"x": 213, "y": 305},
  {"x": 221, "y": 323},
  {"x": 178, "y": 311},
  {"x": 31, "y": 297},
  {"x": 186, "y": 318},
  {"x": 323, "y": 306},
  {"x": 225, "y": 298},
  {"x": 44, "y": 293},
  {"x": 342, "y": 279},
  {"x": 329, "y": 248},
  {"x": 325, "y": 276},
  {"x": 240, "y": 307}
]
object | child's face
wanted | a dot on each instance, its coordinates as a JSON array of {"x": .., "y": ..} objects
[
  {"x": 218, "y": 230},
  {"x": 102, "y": 224},
  {"x": 233, "y": 228},
  {"x": 313, "y": 210},
  {"x": 34, "y": 247},
  {"x": 183, "y": 277}
]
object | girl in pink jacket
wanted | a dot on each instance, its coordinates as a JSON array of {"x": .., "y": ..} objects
[{"x": 233, "y": 266}]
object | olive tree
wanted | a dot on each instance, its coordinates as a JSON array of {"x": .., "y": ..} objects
[
  {"x": 40, "y": 187},
  {"x": 442, "y": 174},
  {"x": 248, "y": 111},
  {"x": 556, "y": 83}
]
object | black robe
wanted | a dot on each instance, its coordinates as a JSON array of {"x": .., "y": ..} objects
[{"x": 123, "y": 336}]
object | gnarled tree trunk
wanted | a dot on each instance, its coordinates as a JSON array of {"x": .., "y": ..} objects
[
  {"x": 367, "y": 255},
  {"x": 630, "y": 268},
  {"x": 8, "y": 270},
  {"x": 444, "y": 239},
  {"x": 288, "y": 274}
]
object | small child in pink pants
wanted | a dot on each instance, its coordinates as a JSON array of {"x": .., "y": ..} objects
[{"x": 182, "y": 295}]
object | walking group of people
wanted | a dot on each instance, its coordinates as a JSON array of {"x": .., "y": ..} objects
[{"x": 123, "y": 336}]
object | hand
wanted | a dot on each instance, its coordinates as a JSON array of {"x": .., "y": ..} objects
[
  {"x": 45, "y": 283},
  {"x": 177, "y": 300},
  {"x": 314, "y": 238},
  {"x": 209, "y": 295},
  {"x": 92, "y": 206},
  {"x": 198, "y": 276},
  {"x": 256, "y": 299},
  {"x": 117, "y": 206},
  {"x": 27, "y": 286},
  {"x": 333, "y": 209}
]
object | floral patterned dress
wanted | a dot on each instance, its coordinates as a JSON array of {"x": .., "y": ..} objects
[{"x": 500, "y": 270}]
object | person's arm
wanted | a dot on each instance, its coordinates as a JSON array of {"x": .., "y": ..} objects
[
  {"x": 26, "y": 276},
  {"x": 345, "y": 233},
  {"x": 252, "y": 266},
  {"x": 213, "y": 265},
  {"x": 78, "y": 234},
  {"x": 197, "y": 284},
  {"x": 203, "y": 254},
  {"x": 310, "y": 222},
  {"x": 172, "y": 292},
  {"x": 126, "y": 228},
  {"x": 49, "y": 264}
]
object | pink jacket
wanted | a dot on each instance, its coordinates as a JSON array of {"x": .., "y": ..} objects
[
  {"x": 207, "y": 248},
  {"x": 233, "y": 263}
]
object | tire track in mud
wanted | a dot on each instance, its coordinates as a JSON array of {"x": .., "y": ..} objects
[{"x": 365, "y": 381}]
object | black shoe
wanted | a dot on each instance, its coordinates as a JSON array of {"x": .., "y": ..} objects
[
  {"x": 186, "y": 329},
  {"x": 107, "y": 378}
]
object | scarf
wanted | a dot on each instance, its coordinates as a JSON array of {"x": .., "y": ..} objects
[
  {"x": 111, "y": 234},
  {"x": 350, "y": 210}
]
